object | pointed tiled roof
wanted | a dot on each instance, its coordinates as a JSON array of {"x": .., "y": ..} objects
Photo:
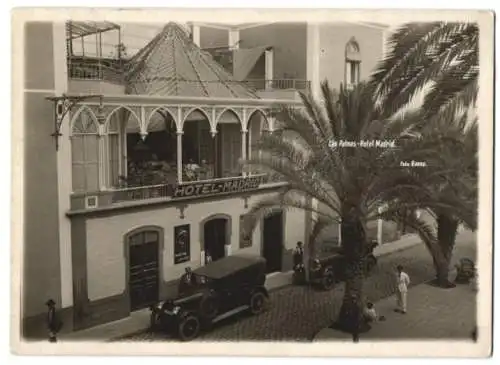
[{"x": 172, "y": 65}]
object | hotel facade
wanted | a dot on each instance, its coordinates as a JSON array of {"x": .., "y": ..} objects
[{"x": 131, "y": 164}]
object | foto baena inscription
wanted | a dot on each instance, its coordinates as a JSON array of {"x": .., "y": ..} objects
[{"x": 234, "y": 185}]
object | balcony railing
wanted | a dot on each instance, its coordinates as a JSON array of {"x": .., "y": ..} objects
[
  {"x": 167, "y": 190},
  {"x": 96, "y": 69},
  {"x": 278, "y": 84}
]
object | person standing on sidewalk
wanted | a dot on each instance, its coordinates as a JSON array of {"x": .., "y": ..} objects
[
  {"x": 53, "y": 323},
  {"x": 402, "y": 283},
  {"x": 298, "y": 256}
]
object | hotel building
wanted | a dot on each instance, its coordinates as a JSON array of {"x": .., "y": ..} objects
[{"x": 131, "y": 164}]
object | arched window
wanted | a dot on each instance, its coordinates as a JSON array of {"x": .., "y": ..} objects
[
  {"x": 352, "y": 63},
  {"x": 114, "y": 150},
  {"x": 85, "y": 153}
]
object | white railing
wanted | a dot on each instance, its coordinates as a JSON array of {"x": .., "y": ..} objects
[
  {"x": 278, "y": 84},
  {"x": 95, "y": 69}
]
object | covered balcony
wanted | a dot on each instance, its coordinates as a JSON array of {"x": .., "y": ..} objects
[{"x": 179, "y": 134}]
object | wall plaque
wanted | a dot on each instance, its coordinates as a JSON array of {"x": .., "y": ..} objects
[{"x": 181, "y": 244}]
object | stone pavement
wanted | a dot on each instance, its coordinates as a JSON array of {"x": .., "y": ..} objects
[
  {"x": 433, "y": 313},
  {"x": 297, "y": 313}
]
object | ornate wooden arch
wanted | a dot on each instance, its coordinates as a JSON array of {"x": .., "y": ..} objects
[
  {"x": 108, "y": 118},
  {"x": 78, "y": 113}
]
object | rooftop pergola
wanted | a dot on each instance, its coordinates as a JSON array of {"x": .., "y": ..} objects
[{"x": 81, "y": 30}]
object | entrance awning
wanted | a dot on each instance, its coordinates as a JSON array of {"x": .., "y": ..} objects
[{"x": 244, "y": 60}]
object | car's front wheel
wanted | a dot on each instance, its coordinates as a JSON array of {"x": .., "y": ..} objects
[
  {"x": 328, "y": 279},
  {"x": 258, "y": 302},
  {"x": 189, "y": 328}
]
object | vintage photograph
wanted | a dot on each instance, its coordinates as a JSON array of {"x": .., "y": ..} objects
[{"x": 308, "y": 181}]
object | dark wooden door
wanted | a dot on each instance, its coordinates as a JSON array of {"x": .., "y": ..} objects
[
  {"x": 215, "y": 238},
  {"x": 144, "y": 274},
  {"x": 272, "y": 246}
]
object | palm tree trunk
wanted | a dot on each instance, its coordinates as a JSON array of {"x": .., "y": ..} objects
[
  {"x": 447, "y": 232},
  {"x": 308, "y": 257},
  {"x": 353, "y": 241}
]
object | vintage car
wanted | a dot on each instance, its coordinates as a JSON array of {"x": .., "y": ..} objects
[
  {"x": 328, "y": 266},
  {"x": 220, "y": 289}
]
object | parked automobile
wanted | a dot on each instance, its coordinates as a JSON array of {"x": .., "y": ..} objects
[
  {"x": 328, "y": 266},
  {"x": 220, "y": 289}
]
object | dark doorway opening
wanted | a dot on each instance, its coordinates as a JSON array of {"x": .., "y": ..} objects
[
  {"x": 143, "y": 269},
  {"x": 215, "y": 237},
  {"x": 272, "y": 245}
]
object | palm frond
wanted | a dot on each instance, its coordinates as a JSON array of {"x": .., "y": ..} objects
[{"x": 421, "y": 53}]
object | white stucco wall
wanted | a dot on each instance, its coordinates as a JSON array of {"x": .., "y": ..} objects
[{"x": 106, "y": 266}]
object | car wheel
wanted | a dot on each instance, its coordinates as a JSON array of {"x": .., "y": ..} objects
[
  {"x": 371, "y": 262},
  {"x": 257, "y": 302},
  {"x": 189, "y": 328},
  {"x": 328, "y": 280}
]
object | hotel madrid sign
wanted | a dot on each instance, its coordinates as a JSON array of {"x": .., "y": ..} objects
[{"x": 216, "y": 187}]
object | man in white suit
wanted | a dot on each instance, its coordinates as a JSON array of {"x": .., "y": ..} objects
[{"x": 402, "y": 283}]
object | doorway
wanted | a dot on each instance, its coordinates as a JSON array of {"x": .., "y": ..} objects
[
  {"x": 143, "y": 269},
  {"x": 272, "y": 242},
  {"x": 215, "y": 238}
]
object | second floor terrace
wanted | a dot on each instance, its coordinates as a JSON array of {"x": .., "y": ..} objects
[{"x": 131, "y": 149}]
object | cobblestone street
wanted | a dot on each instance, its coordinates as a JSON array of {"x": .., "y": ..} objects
[{"x": 298, "y": 313}]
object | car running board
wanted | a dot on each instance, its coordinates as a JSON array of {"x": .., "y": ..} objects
[{"x": 230, "y": 313}]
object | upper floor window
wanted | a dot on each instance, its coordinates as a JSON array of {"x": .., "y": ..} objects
[
  {"x": 85, "y": 153},
  {"x": 352, "y": 63}
]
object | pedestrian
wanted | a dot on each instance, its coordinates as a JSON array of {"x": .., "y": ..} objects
[
  {"x": 188, "y": 281},
  {"x": 402, "y": 282},
  {"x": 354, "y": 318},
  {"x": 298, "y": 256},
  {"x": 369, "y": 313},
  {"x": 53, "y": 324}
]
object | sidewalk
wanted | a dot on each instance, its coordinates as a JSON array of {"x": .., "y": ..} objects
[
  {"x": 139, "y": 321},
  {"x": 433, "y": 313}
]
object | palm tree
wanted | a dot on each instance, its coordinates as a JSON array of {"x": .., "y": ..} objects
[
  {"x": 457, "y": 147},
  {"x": 439, "y": 57},
  {"x": 349, "y": 184},
  {"x": 440, "y": 61}
]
